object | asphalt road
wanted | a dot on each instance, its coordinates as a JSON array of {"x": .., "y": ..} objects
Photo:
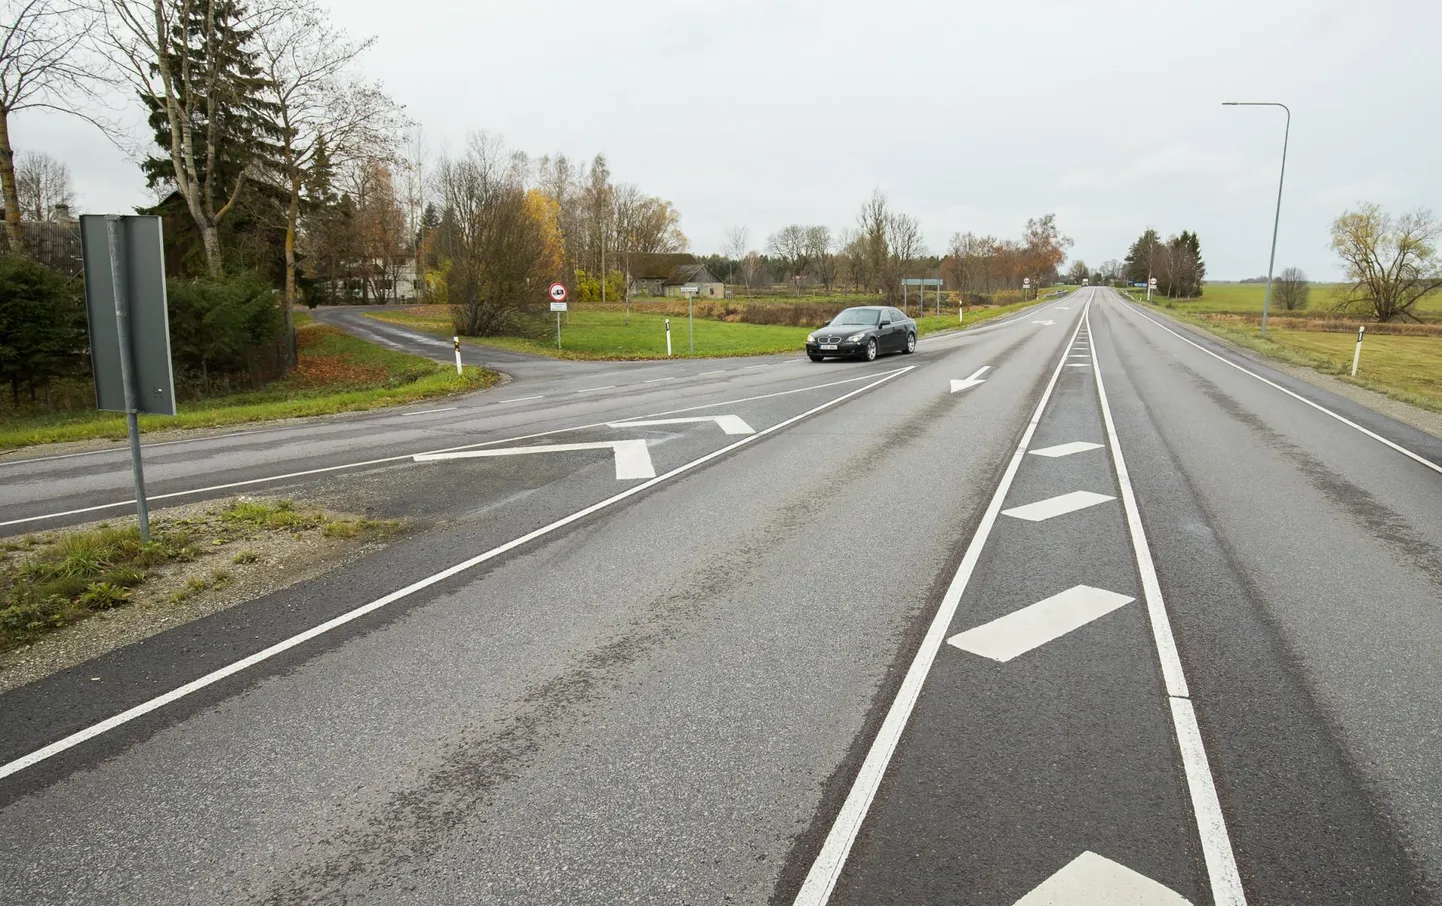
[{"x": 1132, "y": 618}]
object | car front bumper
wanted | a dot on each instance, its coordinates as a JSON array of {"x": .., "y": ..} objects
[{"x": 840, "y": 350}]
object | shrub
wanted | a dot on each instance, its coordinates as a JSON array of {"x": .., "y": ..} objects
[
  {"x": 42, "y": 326},
  {"x": 215, "y": 322}
]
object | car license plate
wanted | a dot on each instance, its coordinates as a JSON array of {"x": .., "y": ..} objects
[{"x": 828, "y": 347}]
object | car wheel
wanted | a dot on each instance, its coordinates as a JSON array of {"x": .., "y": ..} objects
[
  {"x": 870, "y": 353},
  {"x": 815, "y": 358},
  {"x": 910, "y": 343}
]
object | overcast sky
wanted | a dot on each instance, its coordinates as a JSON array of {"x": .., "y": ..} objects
[{"x": 971, "y": 116}]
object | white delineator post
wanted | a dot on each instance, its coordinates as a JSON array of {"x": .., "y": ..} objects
[
  {"x": 1357, "y": 355},
  {"x": 456, "y": 341},
  {"x": 668, "y": 338}
]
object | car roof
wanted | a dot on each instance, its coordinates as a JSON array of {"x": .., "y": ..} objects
[{"x": 866, "y": 308}]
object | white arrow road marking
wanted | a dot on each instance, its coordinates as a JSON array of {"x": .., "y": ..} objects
[
  {"x": 1043, "y": 322},
  {"x": 1056, "y": 506},
  {"x": 1076, "y": 446},
  {"x": 1093, "y": 880},
  {"x": 731, "y": 424},
  {"x": 972, "y": 381},
  {"x": 633, "y": 460},
  {"x": 1036, "y": 624}
]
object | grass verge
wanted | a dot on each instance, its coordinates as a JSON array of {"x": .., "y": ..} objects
[
  {"x": 335, "y": 373},
  {"x": 53, "y": 580},
  {"x": 610, "y": 335},
  {"x": 1404, "y": 368}
]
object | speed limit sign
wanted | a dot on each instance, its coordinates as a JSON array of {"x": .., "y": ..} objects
[{"x": 558, "y": 292}]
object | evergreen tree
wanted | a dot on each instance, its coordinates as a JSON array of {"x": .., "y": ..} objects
[
  {"x": 234, "y": 133},
  {"x": 1140, "y": 257}
]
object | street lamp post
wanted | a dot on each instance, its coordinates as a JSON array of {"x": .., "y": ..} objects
[{"x": 1277, "y": 220}]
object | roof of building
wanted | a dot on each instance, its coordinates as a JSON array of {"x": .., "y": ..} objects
[{"x": 690, "y": 273}]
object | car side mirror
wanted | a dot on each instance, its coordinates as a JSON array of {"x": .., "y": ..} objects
[{"x": 884, "y": 324}]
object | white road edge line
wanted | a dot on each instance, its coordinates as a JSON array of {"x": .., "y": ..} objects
[
  {"x": 1297, "y": 396},
  {"x": 402, "y": 458},
  {"x": 1211, "y": 824},
  {"x": 521, "y": 399},
  {"x": 432, "y": 411},
  {"x": 821, "y": 879},
  {"x": 216, "y": 676}
]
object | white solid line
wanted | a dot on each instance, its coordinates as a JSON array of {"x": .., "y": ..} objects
[
  {"x": 633, "y": 460},
  {"x": 1056, "y": 506},
  {"x": 489, "y": 443},
  {"x": 1297, "y": 396},
  {"x": 1067, "y": 449},
  {"x": 1036, "y": 624},
  {"x": 216, "y": 676},
  {"x": 658, "y": 380},
  {"x": 432, "y": 411},
  {"x": 1211, "y": 826},
  {"x": 704, "y": 373},
  {"x": 821, "y": 879},
  {"x": 521, "y": 399},
  {"x": 594, "y": 389}
]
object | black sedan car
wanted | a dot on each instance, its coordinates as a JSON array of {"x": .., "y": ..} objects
[{"x": 866, "y": 331}]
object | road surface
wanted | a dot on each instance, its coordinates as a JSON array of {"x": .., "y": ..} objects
[{"x": 1077, "y": 608}]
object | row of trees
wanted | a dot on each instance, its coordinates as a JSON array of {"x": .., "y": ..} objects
[
  {"x": 1176, "y": 264},
  {"x": 886, "y": 246}
]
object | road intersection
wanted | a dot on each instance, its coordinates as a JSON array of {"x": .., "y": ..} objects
[{"x": 1021, "y": 618}]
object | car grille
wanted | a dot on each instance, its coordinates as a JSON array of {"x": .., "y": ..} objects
[{"x": 820, "y": 339}]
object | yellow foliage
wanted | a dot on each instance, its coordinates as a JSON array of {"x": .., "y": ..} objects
[{"x": 544, "y": 210}]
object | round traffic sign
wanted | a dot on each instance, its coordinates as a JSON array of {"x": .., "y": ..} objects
[
  {"x": 1026, "y": 281},
  {"x": 558, "y": 292},
  {"x": 1153, "y": 281}
]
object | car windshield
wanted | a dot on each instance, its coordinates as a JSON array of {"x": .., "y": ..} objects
[{"x": 856, "y": 317}]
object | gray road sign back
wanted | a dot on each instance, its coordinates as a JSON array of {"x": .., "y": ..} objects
[{"x": 142, "y": 269}]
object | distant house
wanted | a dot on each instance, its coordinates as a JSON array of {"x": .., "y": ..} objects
[
  {"x": 647, "y": 274},
  {"x": 707, "y": 284}
]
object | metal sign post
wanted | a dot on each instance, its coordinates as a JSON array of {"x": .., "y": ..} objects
[
  {"x": 124, "y": 262},
  {"x": 557, "y": 293},
  {"x": 1026, "y": 289},
  {"x": 690, "y": 290}
]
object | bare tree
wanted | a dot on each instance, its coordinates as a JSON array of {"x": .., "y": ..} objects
[
  {"x": 904, "y": 246},
  {"x": 822, "y": 250},
  {"x": 1391, "y": 261},
  {"x": 326, "y": 115},
  {"x": 43, "y": 186},
  {"x": 1292, "y": 289},
  {"x": 733, "y": 246},
  {"x": 753, "y": 268},
  {"x": 789, "y": 246},
  {"x": 43, "y": 65},
  {"x": 871, "y": 225}
]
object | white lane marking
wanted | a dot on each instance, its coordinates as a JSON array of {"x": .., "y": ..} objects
[
  {"x": 594, "y": 389},
  {"x": 658, "y": 380},
  {"x": 521, "y": 399},
  {"x": 1078, "y": 365},
  {"x": 633, "y": 460},
  {"x": 231, "y": 669},
  {"x": 1079, "y": 355},
  {"x": 405, "y": 456},
  {"x": 1297, "y": 396},
  {"x": 432, "y": 411},
  {"x": 821, "y": 879},
  {"x": 1093, "y": 880},
  {"x": 1036, "y": 624},
  {"x": 1067, "y": 449},
  {"x": 730, "y": 424},
  {"x": 1059, "y": 505},
  {"x": 704, "y": 373},
  {"x": 1211, "y": 824},
  {"x": 972, "y": 381},
  {"x": 1048, "y": 323}
]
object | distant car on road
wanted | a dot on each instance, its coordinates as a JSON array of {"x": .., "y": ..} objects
[{"x": 865, "y": 331}]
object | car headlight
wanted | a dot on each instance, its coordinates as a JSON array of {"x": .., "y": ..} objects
[
  {"x": 856, "y": 337},
  {"x": 811, "y": 338}
]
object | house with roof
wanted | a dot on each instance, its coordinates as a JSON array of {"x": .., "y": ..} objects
[{"x": 708, "y": 285}]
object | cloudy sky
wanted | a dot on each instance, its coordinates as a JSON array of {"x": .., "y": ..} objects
[{"x": 971, "y": 116}]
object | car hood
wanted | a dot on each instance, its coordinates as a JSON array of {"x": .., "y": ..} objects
[{"x": 844, "y": 331}]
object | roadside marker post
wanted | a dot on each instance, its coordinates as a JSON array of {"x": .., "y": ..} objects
[
  {"x": 456, "y": 341},
  {"x": 668, "y": 338},
  {"x": 1151, "y": 285},
  {"x": 123, "y": 256},
  {"x": 1357, "y": 355},
  {"x": 557, "y": 293}
]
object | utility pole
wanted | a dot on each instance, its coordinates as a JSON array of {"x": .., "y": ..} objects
[{"x": 1281, "y": 178}]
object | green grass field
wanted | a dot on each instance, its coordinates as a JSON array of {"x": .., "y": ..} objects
[
  {"x": 608, "y": 334},
  {"x": 336, "y": 373},
  {"x": 1247, "y": 298}
]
